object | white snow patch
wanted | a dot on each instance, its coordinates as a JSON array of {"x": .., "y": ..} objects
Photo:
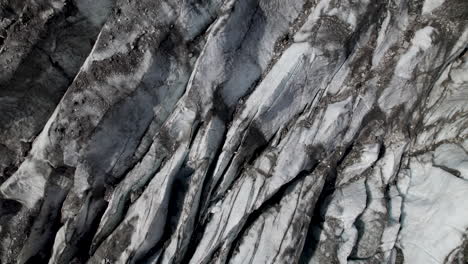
[
  {"x": 348, "y": 203},
  {"x": 306, "y": 30},
  {"x": 383, "y": 41},
  {"x": 369, "y": 154},
  {"x": 268, "y": 89},
  {"x": 453, "y": 157},
  {"x": 422, "y": 38},
  {"x": 349, "y": 238},
  {"x": 461, "y": 43},
  {"x": 27, "y": 185},
  {"x": 430, "y": 5},
  {"x": 421, "y": 42},
  {"x": 334, "y": 120},
  {"x": 435, "y": 215},
  {"x": 42, "y": 141}
]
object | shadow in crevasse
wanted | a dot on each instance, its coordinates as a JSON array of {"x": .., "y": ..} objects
[
  {"x": 316, "y": 224},
  {"x": 315, "y": 227},
  {"x": 243, "y": 65}
]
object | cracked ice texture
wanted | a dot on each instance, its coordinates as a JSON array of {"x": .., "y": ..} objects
[{"x": 233, "y": 131}]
